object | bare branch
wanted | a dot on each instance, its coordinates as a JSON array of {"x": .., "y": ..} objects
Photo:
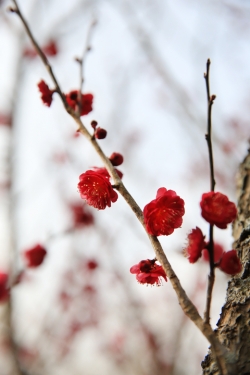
[{"x": 208, "y": 136}]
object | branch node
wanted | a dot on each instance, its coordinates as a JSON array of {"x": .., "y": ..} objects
[
  {"x": 12, "y": 9},
  {"x": 116, "y": 186}
]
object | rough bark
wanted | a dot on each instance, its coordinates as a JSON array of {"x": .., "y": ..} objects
[{"x": 234, "y": 323}]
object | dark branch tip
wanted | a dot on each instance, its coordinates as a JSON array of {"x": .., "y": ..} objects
[
  {"x": 78, "y": 60},
  {"x": 12, "y": 9}
]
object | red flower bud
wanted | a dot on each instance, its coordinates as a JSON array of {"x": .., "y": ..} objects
[
  {"x": 100, "y": 133},
  {"x": 94, "y": 124},
  {"x": 164, "y": 214},
  {"x": 34, "y": 257},
  {"x": 230, "y": 263},
  {"x": 217, "y": 209},
  {"x": 116, "y": 159},
  {"x": 120, "y": 174},
  {"x": 91, "y": 265}
]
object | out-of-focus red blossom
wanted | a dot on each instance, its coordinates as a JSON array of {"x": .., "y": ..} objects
[
  {"x": 29, "y": 53},
  {"x": 76, "y": 134},
  {"x": 81, "y": 217},
  {"x": 217, "y": 209},
  {"x": 164, "y": 214},
  {"x": 94, "y": 187},
  {"x": 148, "y": 272},
  {"x": 46, "y": 93},
  {"x": 195, "y": 245},
  {"x": 230, "y": 263},
  {"x": 116, "y": 159},
  {"x": 50, "y": 49},
  {"x": 218, "y": 251},
  {"x": 5, "y": 119},
  {"x": 100, "y": 133},
  {"x": 89, "y": 289},
  {"x": 76, "y": 327},
  {"x": 60, "y": 157},
  {"x": 27, "y": 355},
  {"x": 34, "y": 257},
  {"x": 73, "y": 100},
  {"x": 91, "y": 265},
  {"x": 4, "y": 289},
  {"x": 117, "y": 345},
  {"x": 65, "y": 299}
]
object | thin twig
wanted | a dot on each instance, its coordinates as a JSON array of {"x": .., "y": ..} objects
[
  {"x": 208, "y": 136},
  {"x": 188, "y": 307},
  {"x": 210, "y": 101},
  {"x": 81, "y": 62},
  {"x": 41, "y": 54}
]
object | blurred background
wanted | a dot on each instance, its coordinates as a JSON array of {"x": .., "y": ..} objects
[{"x": 82, "y": 311}]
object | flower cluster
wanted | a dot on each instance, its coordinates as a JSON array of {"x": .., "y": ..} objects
[
  {"x": 95, "y": 188},
  {"x": 161, "y": 217},
  {"x": 217, "y": 210},
  {"x": 227, "y": 262},
  {"x": 34, "y": 257},
  {"x": 164, "y": 214},
  {"x": 99, "y": 133},
  {"x": 148, "y": 272},
  {"x": 73, "y": 100}
]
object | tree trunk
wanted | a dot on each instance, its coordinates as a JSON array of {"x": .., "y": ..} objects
[{"x": 234, "y": 323}]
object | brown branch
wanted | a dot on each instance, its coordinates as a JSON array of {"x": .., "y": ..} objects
[
  {"x": 210, "y": 101},
  {"x": 185, "y": 303},
  {"x": 208, "y": 136},
  {"x": 211, "y": 276},
  {"x": 40, "y": 53}
]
